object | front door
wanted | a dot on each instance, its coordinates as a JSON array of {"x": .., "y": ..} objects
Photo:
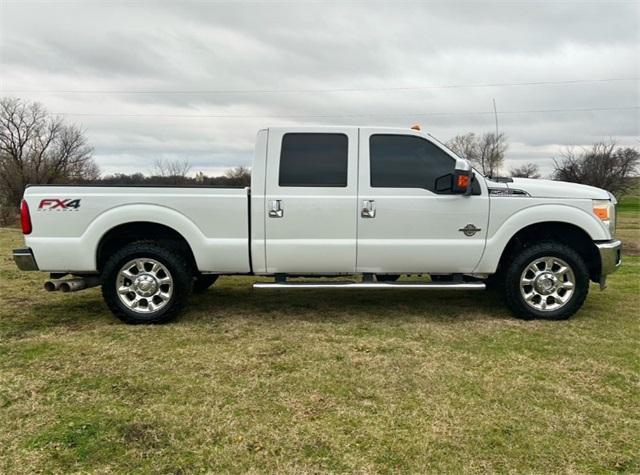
[
  {"x": 404, "y": 226},
  {"x": 311, "y": 201}
]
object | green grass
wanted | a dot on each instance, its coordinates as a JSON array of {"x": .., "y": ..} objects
[
  {"x": 320, "y": 381},
  {"x": 628, "y": 226},
  {"x": 630, "y": 202}
]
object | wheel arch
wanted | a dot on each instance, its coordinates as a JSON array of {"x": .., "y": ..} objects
[
  {"x": 566, "y": 233},
  {"x": 139, "y": 221},
  {"x": 125, "y": 233}
]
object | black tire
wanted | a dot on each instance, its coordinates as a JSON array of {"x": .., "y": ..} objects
[
  {"x": 522, "y": 259},
  {"x": 494, "y": 282},
  {"x": 203, "y": 282},
  {"x": 178, "y": 267},
  {"x": 387, "y": 277}
]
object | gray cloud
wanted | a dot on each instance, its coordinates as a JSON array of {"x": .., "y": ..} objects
[{"x": 203, "y": 46}]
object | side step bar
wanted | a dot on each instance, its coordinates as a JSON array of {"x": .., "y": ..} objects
[{"x": 371, "y": 285}]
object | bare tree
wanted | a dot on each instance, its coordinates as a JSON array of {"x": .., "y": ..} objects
[
  {"x": 171, "y": 168},
  {"x": 528, "y": 170},
  {"x": 492, "y": 150},
  {"x": 240, "y": 175},
  {"x": 38, "y": 148},
  {"x": 485, "y": 152},
  {"x": 465, "y": 145},
  {"x": 604, "y": 165}
]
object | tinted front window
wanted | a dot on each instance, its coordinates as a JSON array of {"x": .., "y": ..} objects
[
  {"x": 405, "y": 161},
  {"x": 313, "y": 160}
]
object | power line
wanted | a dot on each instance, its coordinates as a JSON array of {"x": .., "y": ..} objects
[
  {"x": 313, "y": 91},
  {"x": 329, "y": 116},
  {"x": 603, "y": 3}
]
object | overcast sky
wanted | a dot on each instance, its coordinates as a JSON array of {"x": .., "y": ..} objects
[{"x": 196, "y": 79}]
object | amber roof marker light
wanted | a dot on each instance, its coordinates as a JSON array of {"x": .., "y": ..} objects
[{"x": 417, "y": 127}]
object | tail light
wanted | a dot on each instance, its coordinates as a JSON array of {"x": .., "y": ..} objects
[{"x": 25, "y": 218}]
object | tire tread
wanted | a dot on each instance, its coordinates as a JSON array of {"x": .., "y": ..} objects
[
  {"x": 182, "y": 274},
  {"x": 511, "y": 281}
]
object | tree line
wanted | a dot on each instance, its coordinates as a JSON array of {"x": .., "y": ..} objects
[
  {"x": 177, "y": 172},
  {"x": 604, "y": 164},
  {"x": 39, "y": 148}
]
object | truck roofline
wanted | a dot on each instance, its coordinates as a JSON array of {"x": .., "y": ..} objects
[{"x": 124, "y": 185}]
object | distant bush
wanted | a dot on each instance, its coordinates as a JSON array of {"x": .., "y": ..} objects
[{"x": 605, "y": 165}]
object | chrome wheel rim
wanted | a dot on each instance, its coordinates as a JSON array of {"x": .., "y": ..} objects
[
  {"x": 547, "y": 284},
  {"x": 144, "y": 285}
]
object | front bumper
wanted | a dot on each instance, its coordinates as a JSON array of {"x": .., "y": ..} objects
[
  {"x": 24, "y": 259},
  {"x": 610, "y": 258}
]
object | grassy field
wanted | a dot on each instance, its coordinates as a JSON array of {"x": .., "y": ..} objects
[
  {"x": 321, "y": 381},
  {"x": 628, "y": 228}
]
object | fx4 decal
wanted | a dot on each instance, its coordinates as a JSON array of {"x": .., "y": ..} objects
[{"x": 49, "y": 204}]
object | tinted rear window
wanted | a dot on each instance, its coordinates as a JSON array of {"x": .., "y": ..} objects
[{"x": 314, "y": 160}]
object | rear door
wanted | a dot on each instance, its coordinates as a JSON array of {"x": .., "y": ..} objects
[
  {"x": 311, "y": 200},
  {"x": 404, "y": 226}
]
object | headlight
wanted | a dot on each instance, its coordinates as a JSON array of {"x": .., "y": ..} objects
[{"x": 605, "y": 210}]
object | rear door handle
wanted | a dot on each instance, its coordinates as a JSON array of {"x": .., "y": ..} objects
[
  {"x": 368, "y": 209},
  {"x": 275, "y": 209}
]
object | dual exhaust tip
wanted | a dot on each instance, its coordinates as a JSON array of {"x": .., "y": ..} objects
[{"x": 71, "y": 285}]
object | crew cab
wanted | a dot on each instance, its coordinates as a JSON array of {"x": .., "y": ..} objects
[{"x": 372, "y": 204}]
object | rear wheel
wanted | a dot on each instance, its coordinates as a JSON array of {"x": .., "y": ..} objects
[
  {"x": 145, "y": 282},
  {"x": 548, "y": 280}
]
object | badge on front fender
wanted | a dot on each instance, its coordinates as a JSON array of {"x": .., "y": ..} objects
[{"x": 469, "y": 230}]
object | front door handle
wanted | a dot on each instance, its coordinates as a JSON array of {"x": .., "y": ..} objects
[
  {"x": 368, "y": 209},
  {"x": 275, "y": 209}
]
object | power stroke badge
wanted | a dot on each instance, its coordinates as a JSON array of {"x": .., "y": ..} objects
[{"x": 469, "y": 230}]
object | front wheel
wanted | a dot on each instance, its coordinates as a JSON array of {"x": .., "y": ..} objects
[
  {"x": 203, "y": 282},
  {"x": 145, "y": 282},
  {"x": 548, "y": 281}
]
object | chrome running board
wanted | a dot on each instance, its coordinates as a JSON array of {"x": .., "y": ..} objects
[{"x": 371, "y": 285}]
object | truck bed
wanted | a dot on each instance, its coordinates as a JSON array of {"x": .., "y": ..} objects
[{"x": 69, "y": 222}]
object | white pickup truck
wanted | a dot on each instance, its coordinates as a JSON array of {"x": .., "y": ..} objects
[{"x": 328, "y": 202}]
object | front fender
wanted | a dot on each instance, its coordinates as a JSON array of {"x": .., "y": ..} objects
[{"x": 536, "y": 214}]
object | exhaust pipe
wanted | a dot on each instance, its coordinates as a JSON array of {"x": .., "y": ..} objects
[
  {"x": 52, "y": 285},
  {"x": 71, "y": 285},
  {"x": 79, "y": 283}
]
